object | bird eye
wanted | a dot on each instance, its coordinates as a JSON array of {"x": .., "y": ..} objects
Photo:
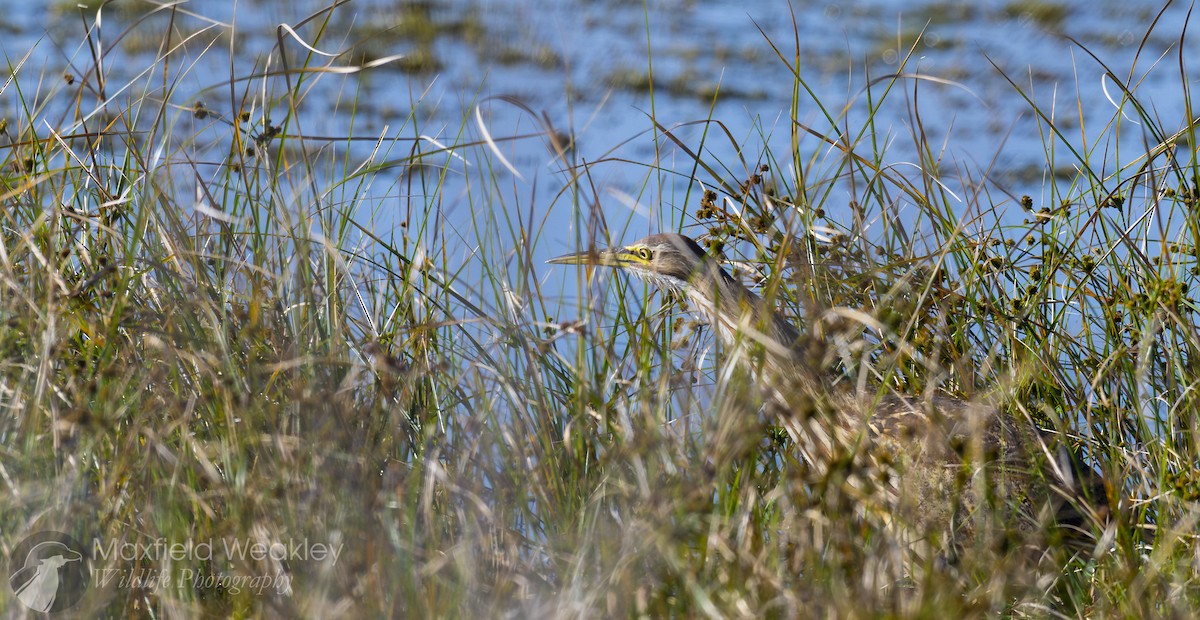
[{"x": 643, "y": 253}]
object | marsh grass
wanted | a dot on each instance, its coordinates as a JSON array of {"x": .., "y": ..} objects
[{"x": 213, "y": 330}]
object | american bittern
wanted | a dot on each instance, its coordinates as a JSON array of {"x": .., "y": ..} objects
[{"x": 954, "y": 470}]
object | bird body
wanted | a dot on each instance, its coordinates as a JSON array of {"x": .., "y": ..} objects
[{"x": 953, "y": 472}]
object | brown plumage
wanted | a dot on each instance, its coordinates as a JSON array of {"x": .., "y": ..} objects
[{"x": 953, "y": 473}]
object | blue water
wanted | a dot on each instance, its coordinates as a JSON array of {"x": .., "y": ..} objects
[{"x": 566, "y": 60}]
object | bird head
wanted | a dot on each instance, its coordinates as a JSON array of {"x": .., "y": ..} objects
[{"x": 669, "y": 260}]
